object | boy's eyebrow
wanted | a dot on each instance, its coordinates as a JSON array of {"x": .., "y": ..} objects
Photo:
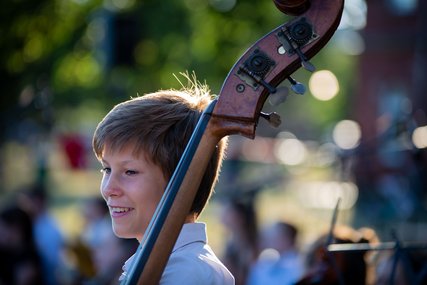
[{"x": 102, "y": 160}]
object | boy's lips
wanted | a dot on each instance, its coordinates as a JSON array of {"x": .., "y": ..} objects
[{"x": 118, "y": 211}]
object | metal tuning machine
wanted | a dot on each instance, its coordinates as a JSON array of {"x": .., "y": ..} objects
[{"x": 295, "y": 36}]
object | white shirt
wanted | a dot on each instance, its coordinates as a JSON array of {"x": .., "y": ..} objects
[{"x": 192, "y": 261}]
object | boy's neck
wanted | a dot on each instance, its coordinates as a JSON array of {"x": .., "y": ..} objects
[{"x": 191, "y": 218}]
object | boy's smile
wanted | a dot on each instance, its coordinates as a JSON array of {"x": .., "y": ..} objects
[
  {"x": 117, "y": 212},
  {"x": 132, "y": 186}
]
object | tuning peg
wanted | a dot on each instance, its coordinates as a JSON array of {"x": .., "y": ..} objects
[
  {"x": 297, "y": 87},
  {"x": 279, "y": 96},
  {"x": 296, "y": 36},
  {"x": 272, "y": 118},
  {"x": 308, "y": 65},
  {"x": 304, "y": 62}
]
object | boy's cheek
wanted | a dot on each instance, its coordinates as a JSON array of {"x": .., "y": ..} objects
[{"x": 103, "y": 188}]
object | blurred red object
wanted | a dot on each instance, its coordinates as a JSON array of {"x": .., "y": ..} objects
[{"x": 74, "y": 148}]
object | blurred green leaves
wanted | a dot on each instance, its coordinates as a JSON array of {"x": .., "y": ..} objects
[{"x": 102, "y": 52}]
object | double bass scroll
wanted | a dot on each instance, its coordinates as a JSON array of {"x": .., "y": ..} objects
[{"x": 274, "y": 58}]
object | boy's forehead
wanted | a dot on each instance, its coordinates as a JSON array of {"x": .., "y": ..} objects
[{"x": 130, "y": 148}]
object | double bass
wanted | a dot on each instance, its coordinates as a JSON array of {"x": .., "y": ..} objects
[{"x": 236, "y": 111}]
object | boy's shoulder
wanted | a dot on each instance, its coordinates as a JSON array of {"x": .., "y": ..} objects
[{"x": 196, "y": 263}]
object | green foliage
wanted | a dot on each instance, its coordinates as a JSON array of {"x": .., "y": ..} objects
[{"x": 77, "y": 52}]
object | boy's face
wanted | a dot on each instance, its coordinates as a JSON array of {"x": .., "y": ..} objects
[{"x": 132, "y": 187}]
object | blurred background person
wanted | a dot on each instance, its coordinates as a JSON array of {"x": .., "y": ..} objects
[
  {"x": 338, "y": 268},
  {"x": 241, "y": 246},
  {"x": 97, "y": 255},
  {"x": 280, "y": 260},
  {"x": 20, "y": 262},
  {"x": 105, "y": 253},
  {"x": 97, "y": 222},
  {"x": 48, "y": 237},
  {"x": 109, "y": 257}
]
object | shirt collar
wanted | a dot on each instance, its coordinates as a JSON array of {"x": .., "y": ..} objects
[{"x": 190, "y": 233}]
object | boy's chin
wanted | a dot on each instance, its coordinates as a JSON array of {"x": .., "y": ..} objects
[
  {"x": 121, "y": 234},
  {"x": 126, "y": 235}
]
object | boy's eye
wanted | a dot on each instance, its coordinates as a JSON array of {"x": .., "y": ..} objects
[
  {"x": 130, "y": 172},
  {"x": 106, "y": 170}
]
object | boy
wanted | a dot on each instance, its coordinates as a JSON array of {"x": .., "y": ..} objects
[{"x": 139, "y": 143}]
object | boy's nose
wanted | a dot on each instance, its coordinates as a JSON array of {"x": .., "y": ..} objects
[{"x": 110, "y": 186}]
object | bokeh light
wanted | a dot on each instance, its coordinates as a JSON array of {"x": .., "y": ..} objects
[
  {"x": 419, "y": 137},
  {"x": 350, "y": 42},
  {"x": 323, "y": 85},
  {"x": 325, "y": 194},
  {"x": 354, "y": 15},
  {"x": 347, "y": 134},
  {"x": 291, "y": 151}
]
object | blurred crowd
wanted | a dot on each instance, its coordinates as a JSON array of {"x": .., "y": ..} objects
[
  {"x": 273, "y": 254},
  {"x": 33, "y": 250}
]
